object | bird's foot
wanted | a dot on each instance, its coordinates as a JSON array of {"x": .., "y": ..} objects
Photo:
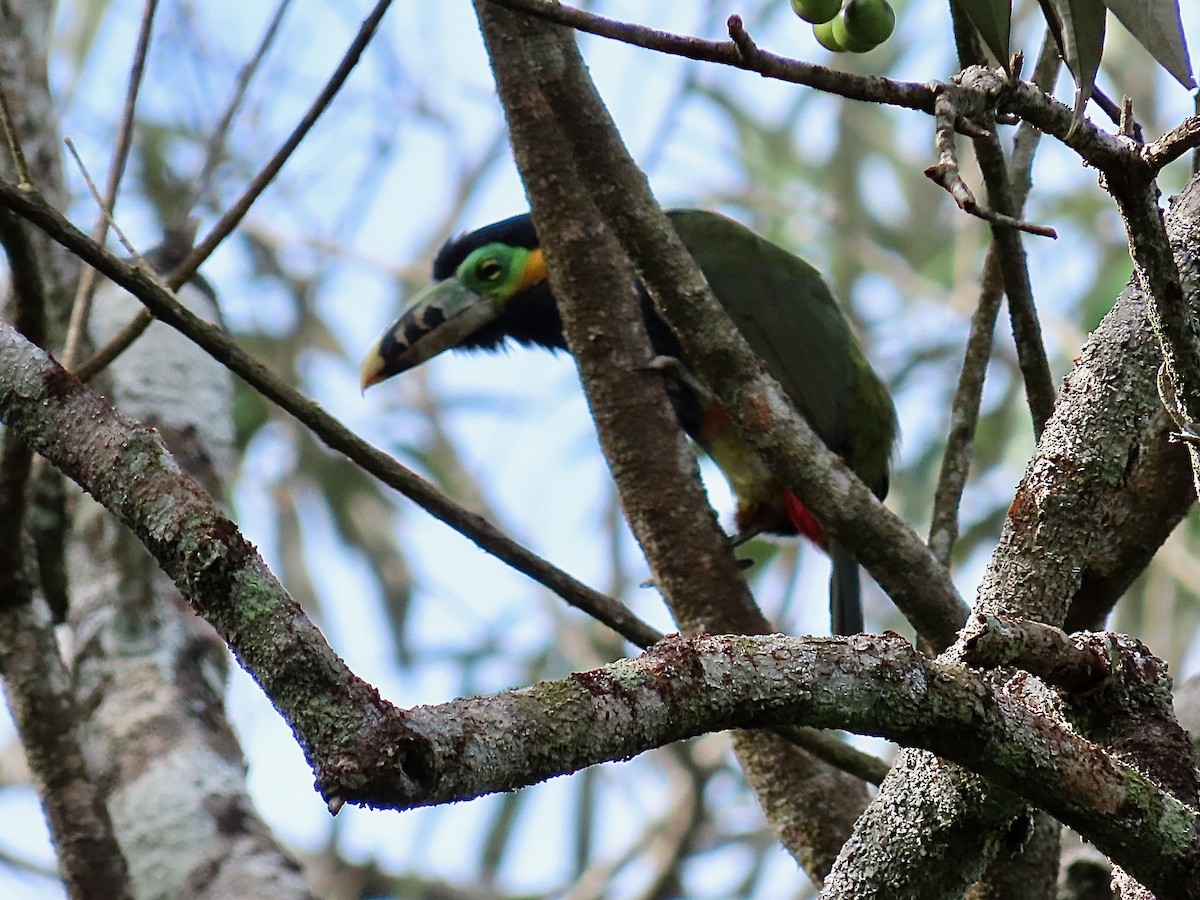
[
  {"x": 747, "y": 534},
  {"x": 672, "y": 367}
]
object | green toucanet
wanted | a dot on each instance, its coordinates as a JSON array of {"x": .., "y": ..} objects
[{"x": 491, "y": 285}]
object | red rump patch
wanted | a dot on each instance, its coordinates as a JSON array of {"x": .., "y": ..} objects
[{"x": 804, "y": 521}]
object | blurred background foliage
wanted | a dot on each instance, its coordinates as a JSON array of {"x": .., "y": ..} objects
[{"x": 413, "y": 150}]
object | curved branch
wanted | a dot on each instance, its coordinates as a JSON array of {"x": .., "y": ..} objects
[
  {"x": 128, "y": 469},
  {"x": 1096, "y": 147},
  {"x": 314, "y": 417},
  {"x": 868, "y": 683}
]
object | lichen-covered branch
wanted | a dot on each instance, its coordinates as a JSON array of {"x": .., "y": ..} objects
[
  {"x": 365, "y": 750},
  {"x": 150, "y": 673},
  {"x": 126, "y": 467},
  {"x": 868, "y": 683},
  {"x": 1082, "y": 466}
]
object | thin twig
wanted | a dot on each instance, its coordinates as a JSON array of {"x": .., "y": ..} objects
[
  {"x": 964, "y": 413},
  {"x": 237, "y": 212},
  {"x": 123, "y": 339},
  {"x": 1179, "y": 140},
  {"x": 14, "y": 144},
  {"x": 167, "y": 308},
  {"x": 104, "y": 211},
  {"x": 1096, "y": 147},
  {"x": 81, "y": 306},
  {"x": 740, "y": 36},
  {"x": 214, "y": 147},
  {"x": 910, "y": 95},
  {"x": 947, "y": 174},
  {"x": 117, "y": 344},
  {"x": 1027, "y": 334},
  {"x": 828, "y": 747}
]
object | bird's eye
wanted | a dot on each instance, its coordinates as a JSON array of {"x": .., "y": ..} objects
[{"x": 490, "y": 269}]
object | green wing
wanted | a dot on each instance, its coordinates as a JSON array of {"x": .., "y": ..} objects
[
  {"x": 786, "y": 312},
  {"x": 791, "y": 320}
]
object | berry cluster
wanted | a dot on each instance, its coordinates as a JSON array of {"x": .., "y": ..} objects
[{"x": 848, "y": 26}]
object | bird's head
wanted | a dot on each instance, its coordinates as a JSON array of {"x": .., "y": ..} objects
[{"x": 488, "y": 285}]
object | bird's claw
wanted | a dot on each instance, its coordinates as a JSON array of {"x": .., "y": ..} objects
[{"x": 673, "y": 368}]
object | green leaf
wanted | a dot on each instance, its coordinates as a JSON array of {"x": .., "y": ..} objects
[
  {"x": 993, "y": 20},
  {"x": 1083, "y": 41},
  {"x": 1157, "y": 26}
]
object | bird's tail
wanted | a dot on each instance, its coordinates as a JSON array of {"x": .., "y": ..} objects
[{"x": 845, "y": 591}]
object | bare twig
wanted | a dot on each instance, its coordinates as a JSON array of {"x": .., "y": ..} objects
[
  {"x": 14, "y": 144},
  {"x": 828, "y": 747},
  {"x": 121, "y": 341},
  {"x": 105, "y": 212},
  {"x": 740, "y": 53},
  {"x": 1031, "y": 103},
  {"x": 237, "y": 212},
  {"x": 117, "y": 344},
  {"x": 214, "y": 146},
  {"x": 964, "y": 415},
  {"x": 1169, "y": 147},
  {"x": 741, "y": 37},
  {"x": 82, "y": 304},
  {"x": 163, "y": 304},
  {"x": 946, "y": 171}
]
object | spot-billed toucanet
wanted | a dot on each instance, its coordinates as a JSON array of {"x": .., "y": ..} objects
[{"x": 491, "y": 285}]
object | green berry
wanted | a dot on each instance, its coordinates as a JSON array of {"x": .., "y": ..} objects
[
  {"x": 816, "y": 11},
  {"x": 867, "y": 23},
  {"x": 826, "y": 38},
  {"x": 843, "y": 36}
]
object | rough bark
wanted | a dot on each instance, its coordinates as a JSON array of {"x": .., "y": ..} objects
[
  {"x": 152, "y": 674},
  {"x": 811, "y": 805},
  {"x": 1081, "y": 467}
]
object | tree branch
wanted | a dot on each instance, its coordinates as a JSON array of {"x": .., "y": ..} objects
[
  {"x": 1028, "y": 101},
  {"x": 234, "y": 215},
  {"x": 84, "y": 291},
  {"x": 41, "y": 696},
  {"x": 1081, "y": 468},
  {"x": 869, "y": 683},
  {"x": 888, "y": 547},
  {"x": 689, "y": 555},
  {"x": 362, "y": 749},
  {"x": 1173, "y": 319},
  {"x": 968, "y": 393},
  {"x": 330, "y": 431}
]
